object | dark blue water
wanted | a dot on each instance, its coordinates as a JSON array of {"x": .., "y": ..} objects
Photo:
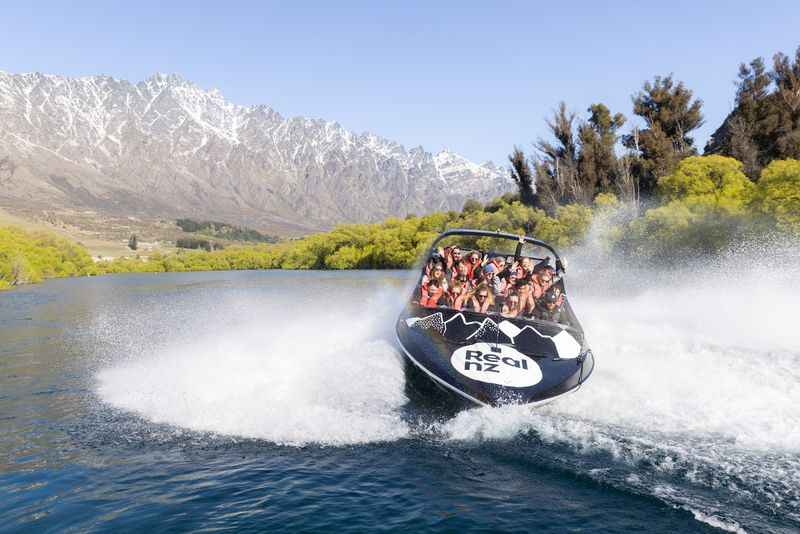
[{"x": 275, "y": 401}]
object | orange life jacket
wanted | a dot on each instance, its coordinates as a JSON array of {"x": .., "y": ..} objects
[{"x": 430, "y": 299}]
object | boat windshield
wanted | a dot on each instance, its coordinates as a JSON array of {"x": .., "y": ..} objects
[{"x": 493, "y": 274}]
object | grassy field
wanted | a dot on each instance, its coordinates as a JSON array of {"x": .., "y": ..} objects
[{"x": 103, "y": 236}]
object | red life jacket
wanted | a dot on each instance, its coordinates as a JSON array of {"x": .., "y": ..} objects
[
  {"x": 470, "y": 268},
  {"x": 496, "y": 261},
  {"x": 430, "y": 299}
]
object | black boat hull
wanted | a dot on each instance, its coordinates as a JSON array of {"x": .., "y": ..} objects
[{"x": 491, "y": 360}]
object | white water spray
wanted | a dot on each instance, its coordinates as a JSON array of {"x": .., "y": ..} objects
[
  {"x": 697, "y": 376},
  {"x": 288, "y": 371}
]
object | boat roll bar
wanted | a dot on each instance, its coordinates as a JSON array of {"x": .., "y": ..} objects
[{"x": 503, "y": 235}]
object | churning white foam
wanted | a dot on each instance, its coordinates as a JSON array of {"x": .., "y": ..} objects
[
  {"x": 707, "y": 356},
  {"x": 697, "y": 376},
  {"x": 284, "y": 372}
]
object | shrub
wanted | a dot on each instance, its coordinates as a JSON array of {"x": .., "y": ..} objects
[
  {"x": 709, "y": 183},
  {"x": 29, "y": 257},
  {"x": 777, "y": 194}
]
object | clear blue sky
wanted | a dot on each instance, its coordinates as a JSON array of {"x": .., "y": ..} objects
[{"x": 476, "y": 77}]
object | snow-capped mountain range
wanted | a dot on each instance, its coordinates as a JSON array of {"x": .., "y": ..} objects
[{"x": 166, "y": 147}]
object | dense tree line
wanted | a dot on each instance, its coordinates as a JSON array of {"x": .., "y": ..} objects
[
  {"x": 224, "y": 231},
  {"x": 395, "y": 243},
  {"x": 194, "y": 244},
  {"x": 588, "y": 155},
  {"x": 581, "y": 159},
  {"x": 705, "y": 204},
  {"x": 580, "y": 162},
  {"x": 588, "y": 175},
  {"x": 29, "y": 257},
  {"x": 708, "y": 203},
  {"x": 765, "y": 124}
]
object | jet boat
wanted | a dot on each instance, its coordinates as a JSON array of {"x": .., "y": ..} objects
[{"x": 491, "y": 359}]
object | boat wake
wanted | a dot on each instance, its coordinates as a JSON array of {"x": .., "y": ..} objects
[
  {"x": 293, "y": 379},
  {"x": 695, "y": 399}
]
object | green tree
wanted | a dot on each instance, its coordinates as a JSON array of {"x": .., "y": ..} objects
[
  {"x": 597, "y": 162},
  {"x": 777, "y": 194},
  {"x": 523, "y": 176},
  {"x": 28, "y": 257},
  {"x": 747, "y": 127},
  {"x": 705, "y": 183},
  {"x": 765, "y": 123},
  {"x": 706, "y": 208},
  {"x": 471, "y": 206},
  {"x": 19, "y": 270},
  {"x": 580, "y": 161},
  {"x": 786, "y": 76},
  {"x": 133, "y": 242},
  {"x": 556, "y": 169},
  {"x": 670, "y": 115}
]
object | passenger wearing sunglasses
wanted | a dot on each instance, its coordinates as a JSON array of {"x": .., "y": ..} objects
[
  {"x": 548, "y": 308},
  {"x": 461, "y": 270},
  {"x": 436, "y": 273},
  {"x": 541, "y": 280},
  {"x": 454, "y": 257},
  {"x": 465, "y": 281},
  {"x": 481, "y": 299},
  {"x": 474, "y": 264},
  {"x": 432, "y": 294},
  {"x": 491, "y": 279},
  {"x": 457, "y": 294}
]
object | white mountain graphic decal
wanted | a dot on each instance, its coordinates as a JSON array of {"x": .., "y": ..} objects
[{"x": 458, "y": 327}]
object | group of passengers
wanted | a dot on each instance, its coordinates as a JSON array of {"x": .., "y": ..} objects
[{"x": 499, "y": 284}]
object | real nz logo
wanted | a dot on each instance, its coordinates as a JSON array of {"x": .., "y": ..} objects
[{"x": 496, "y": 364}]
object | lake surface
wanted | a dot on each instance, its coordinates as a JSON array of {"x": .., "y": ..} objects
[{"x": 276, "y": 401}]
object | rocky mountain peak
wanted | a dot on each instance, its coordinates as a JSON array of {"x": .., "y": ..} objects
[{"x": 164, "y": 146}]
